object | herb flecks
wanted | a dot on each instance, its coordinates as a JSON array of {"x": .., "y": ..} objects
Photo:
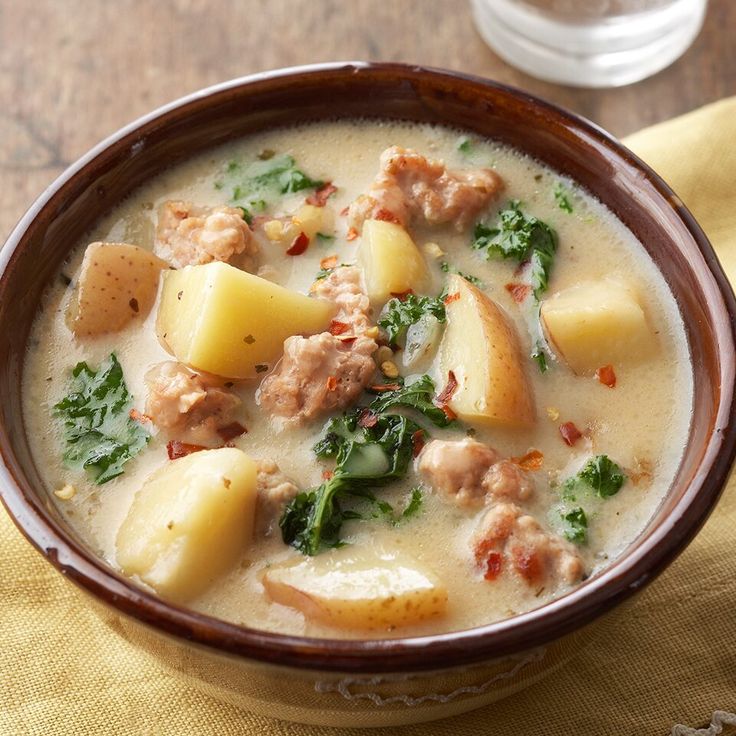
[
  {"x": 99, "y": 432},
  {"x": 575, "y": 525}
]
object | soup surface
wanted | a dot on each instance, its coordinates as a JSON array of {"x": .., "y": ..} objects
[{"x": 540, "y": 446}]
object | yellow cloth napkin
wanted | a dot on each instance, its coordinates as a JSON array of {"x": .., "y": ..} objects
[{"x": 670, "y": 658}]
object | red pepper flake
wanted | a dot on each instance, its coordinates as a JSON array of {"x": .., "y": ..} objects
[
  {"x": 607, "y": 376},
  {"x": 352, "y": 234},
  {"x": 349, "y": 340},
  {"x": 327, "y": 474},
  {"x": 320, "y": 197},
  {"x": 386, "y": 216},
  {"x": 177, "y": 449},
  {"x": 417, "y": 442},
  {"x": 448, "y": 390},
  {"x": 328, "y": 262},
  {"x": 344, "y": 211},
  {"x": 380, "y": 387},
  {"x": 402, "y": 295},
  {"x": 490, "y": 561},
  {"x": 337, "y": 327},
  {"x": 136, "y": 416},
  {"x": 300, "y": 244},
  {"x": 331, "y": 383},
  {"x": 450, "y": 298},
  {"x": 570, "y": 433},
  {"x": 231, "y": 431},
  {"x": 519, "y": 292},
  {"x": 531, "y": 461},
  {"x": 367, "y": 419}
]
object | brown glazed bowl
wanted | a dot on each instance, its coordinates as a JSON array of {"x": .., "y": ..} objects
[{"x": 371, "y": 682}]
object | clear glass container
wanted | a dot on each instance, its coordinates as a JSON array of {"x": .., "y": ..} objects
[{"x": 589, "y": 43}]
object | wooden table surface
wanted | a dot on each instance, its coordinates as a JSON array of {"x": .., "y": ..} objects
[{"x": 73, "y": 71}]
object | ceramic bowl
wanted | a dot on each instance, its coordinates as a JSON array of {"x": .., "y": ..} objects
[{"x": 371, "y": 682}]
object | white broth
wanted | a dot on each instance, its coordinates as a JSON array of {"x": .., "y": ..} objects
[{"x": 642, "y": 423}]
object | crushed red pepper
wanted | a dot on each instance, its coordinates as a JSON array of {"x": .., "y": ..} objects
[
  {"x": 331, "y": 383},
  {"x": 321, "y": 195},
  {"x": 606, "y": 375},
  {"x": 337, "y": 327},
  {"x": 386, "y": 216},
  {"x": 533, "y": 460},
  {"x": 417, "y": 442},
  {"x": 299, "y": 245},
  {"x": 231, "y": 431},
  {"x": 176, "y": 449},
  {"x": 570, "y": 433},
  {"x": 519, "y": 292},
  {"x": 352, "y": 234},
  {"x": 450, "y": 298},
  {"x": 328, "y": 262}
]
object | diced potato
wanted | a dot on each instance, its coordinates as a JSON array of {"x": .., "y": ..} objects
[
  {"x": 391, "y": 262},
  {"x": 222, "y": 320},
  {"x": 189, "y": 522},
  {"x": 481, "y": 349},
  {"x": 353, "y": 588},
  {"x": 309, "y": 219},
  {"x": 117, "y": 283},
  {"x": 597, "y": 323}
]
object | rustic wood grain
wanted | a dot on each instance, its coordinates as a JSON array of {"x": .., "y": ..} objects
[{"x": 73, "y": 71}]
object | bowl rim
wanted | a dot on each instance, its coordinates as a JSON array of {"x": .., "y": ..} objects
[{"x": 626, "y": 575}]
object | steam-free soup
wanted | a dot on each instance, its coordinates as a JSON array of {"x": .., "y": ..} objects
[{"x": 358, "y": 379}]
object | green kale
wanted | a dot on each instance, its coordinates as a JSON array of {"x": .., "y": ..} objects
[
  {"x": 465, "y": 145},
  {"x": 445, "y": 267},
  {"x": 258, "y": 182},
  {"x": 374, "y": 456},
  {"x": 575, "y": 525},
  {"x": 400, "y": 314},
  {"x": 323, "y": 273},
  {"x": 600, "y": 474},
  {"x": 419, "y": 395},
  {"x": 325, "y": 238},
  {"x": 562, "y": 198},
  {"x": 412, "y": 508},
  {"x": 539, "y": 357},
  {"x": 99, "y": 432},
  {"x": 520, "y": 237}
]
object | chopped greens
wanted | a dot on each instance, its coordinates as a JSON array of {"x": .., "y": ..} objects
[
  {"x": 323, "y": 273},
  {"x": 99, "y": 432},
  {"x": 400, "y": 314},
  {"x": 522, "y": 238},
  {"x": 465, "y": 145},
  {"x": 539, "y": 357},
  {"x": 371, "y": 456},
  {"x": 418, "y": 395},
  {"x": 600, "y": 474},
  {"x": 257, "y": 183},
  {"x": 410, "y": 510},
  {"x": 445, "y": 267},
  {"x": 562, "y": 198},
  {"x": 575, "y": 525},
  {"x": 325, "y": 238}
]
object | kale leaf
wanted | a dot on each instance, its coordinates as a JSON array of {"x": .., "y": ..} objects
[
  {"x": 400, "y": 314},
  {"x": 600, "y": 474},
  {"x": 418, "y": 395},
  {"x": 521, "y": 237},
  {"x": 575, "y": 525},
  {"x": 445, "y": 267},
  {"x": 562, "y": 199},
  {"x": 372, "y": 456},
  {"x": 260, "y": 180},
  {"x": 99, "y": 432}
]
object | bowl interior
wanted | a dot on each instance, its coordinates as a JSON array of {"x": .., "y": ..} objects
[{"x": 566, "y": 143}]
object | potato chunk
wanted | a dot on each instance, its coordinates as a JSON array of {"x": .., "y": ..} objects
[
  {"x": 117, "y": 283},
  {"x": 353, "y": 588},
  {"x": 596, "y": 323},
  {"x": 219, "y": 319},
  {"x": 481, "y": 349},
  {"x": 189, "y": 522},
  {"x": 391, "y": 262}
]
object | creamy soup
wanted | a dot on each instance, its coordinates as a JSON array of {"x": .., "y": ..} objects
[{"x": 551, "y": 383}]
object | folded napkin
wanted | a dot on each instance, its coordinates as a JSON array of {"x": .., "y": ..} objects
[{"x": 667, "y": 659}]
